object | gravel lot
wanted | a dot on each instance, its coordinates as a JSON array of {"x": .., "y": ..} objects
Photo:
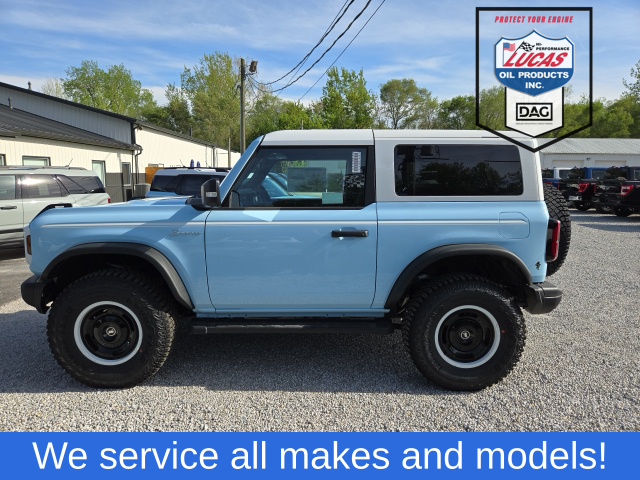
[{"x": 580, "y": 370}]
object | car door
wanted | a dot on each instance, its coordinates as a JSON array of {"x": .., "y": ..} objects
[
  {"x": 40, "y": 191},
  {"x": 308, "y": 247},
  {"x": 11, "y": 221}
]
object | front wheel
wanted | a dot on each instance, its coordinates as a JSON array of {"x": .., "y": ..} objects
[
  {"x": 463, "y": 332},
  {"x": 111, "y": 328},
  {"x": 603, "y": 208}
]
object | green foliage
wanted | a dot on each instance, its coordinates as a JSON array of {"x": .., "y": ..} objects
[
  {"x": 175, "y": 115},
  {"x": 459, "y": 113},
  {"x": 113, "y": 89},
  {"x": 346, "y": 102},
  {"x": 270, "y": 113},
  {"x": 492, "y": 108},
  {"x": 405, "y": 105}
]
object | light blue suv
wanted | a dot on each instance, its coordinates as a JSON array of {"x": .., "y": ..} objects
[{"x": 444, "y": 235}]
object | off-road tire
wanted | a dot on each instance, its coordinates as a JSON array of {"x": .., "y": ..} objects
[
  {"x": 558, "y": 209},
  {"x": 583, "y": 207},
  {"x": 149, "y": 301},
  {"x": 622, "y": 211},
  {"x": 431, "y": 304}
]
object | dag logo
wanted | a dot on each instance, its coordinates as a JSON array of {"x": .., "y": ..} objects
[{"x": 534, "y": 64}]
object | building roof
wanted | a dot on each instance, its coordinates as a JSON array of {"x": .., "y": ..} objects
[
  {"x": 14, "y": 123},
  {"x": 611, "y": 146},
  {"x": 67, "y": 102}
]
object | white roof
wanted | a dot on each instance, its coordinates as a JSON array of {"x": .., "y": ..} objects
[
  {"x": 69, "y": 172},
  {"x": 612, "y": 146}
]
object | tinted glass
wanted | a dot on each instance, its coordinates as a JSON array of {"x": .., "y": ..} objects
[
  {"x": 190, "y": 184},
  {"x": 81, "y": 185},
  {"x": 457, "y": 170},
  {"x": 547, "y": 173},
  {"x": 7, "y": 187},
  {"x": 40, "y": 186},
  {"x": 636, "y": 174},
  {"x": 164, "y": 183},
  {"x": 598, "y": 174},
  {"x": 615, "y": 173},
  {"x": 305, "y": 177},
  {"x": 576, "y": 173}
]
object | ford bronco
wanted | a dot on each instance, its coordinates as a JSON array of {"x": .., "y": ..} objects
[{"x": 444, "y": 235}]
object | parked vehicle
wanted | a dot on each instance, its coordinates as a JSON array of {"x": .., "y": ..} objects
[
  {"x": 627, "y": 201},
  {"x": 182, "y": 181},
  {"x": 607, "y": 190},
  {"x": 27, "y": 191},
  {"x": 575, "y": 184},
  {"x": 445, "y": 235}
]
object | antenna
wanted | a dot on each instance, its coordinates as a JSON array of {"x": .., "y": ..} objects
[{"x": 69, "y": 162}]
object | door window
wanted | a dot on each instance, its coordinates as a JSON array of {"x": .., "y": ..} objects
[
  {"x": 303, "y": 177},
  {"x": 7, "y": 187},
  {"x": 99, "y": 167},
  {"x": 36, "y": 161},
  {"x": 40, "y": 186}
]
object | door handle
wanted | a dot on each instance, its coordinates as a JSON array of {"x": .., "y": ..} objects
[
  {"x": 350, "y": 233},
  {"x": 9, "y": 207}
]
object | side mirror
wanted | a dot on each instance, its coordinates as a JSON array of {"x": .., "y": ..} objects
[{"x": 210, "y": 193}]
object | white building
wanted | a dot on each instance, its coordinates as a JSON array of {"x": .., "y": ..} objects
[
  {"x": 592, "y": 152},
  {"x": 38, "y": 129}
]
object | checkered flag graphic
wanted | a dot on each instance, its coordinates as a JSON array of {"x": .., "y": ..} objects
[{"x": 527, "y": 47}]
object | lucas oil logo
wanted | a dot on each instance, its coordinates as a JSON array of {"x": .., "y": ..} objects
[{"x": 534, "y": 64}]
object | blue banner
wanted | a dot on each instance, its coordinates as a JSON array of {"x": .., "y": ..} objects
[{"x": 319, "y": 455}]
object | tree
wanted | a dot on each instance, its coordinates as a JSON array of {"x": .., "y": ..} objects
[
  {"x": 346, "y": 102},
  {"x": 175, "y": 115},
  {"x": 113, "y": 89},
  {"x": 403, "y": 103},
  {"x": 633, "y": 86},
  {"x": 211, "y": 90},
  {"x": 459, "y": 113},
  {"x": 492, "y": 108},
  {"x": 270, "y": 113},
  {"x": 53, "y": 87}
]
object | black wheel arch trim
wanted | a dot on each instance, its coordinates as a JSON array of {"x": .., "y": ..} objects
[
  {"x": 157, "y": 259},
  {"x": 428, "y": 258}
]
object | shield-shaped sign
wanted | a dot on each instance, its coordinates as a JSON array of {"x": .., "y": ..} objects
[{"x": 534, "y": 64}]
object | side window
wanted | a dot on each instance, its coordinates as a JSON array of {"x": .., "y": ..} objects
[
  {"x": 40, "y": 186},
  {"x": 7, "y": 187},
  {"x": 457, "y": 170},
  {"x": 100, "y": 168},
  {"x": 165, "y": 183},
  {"x": 89, "y": 184},
  {"x": 547, "y": 173},
  {"x": 303, "y": 177}
]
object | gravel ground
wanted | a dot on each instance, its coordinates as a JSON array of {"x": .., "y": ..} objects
[{"x": 580, "y": 369}]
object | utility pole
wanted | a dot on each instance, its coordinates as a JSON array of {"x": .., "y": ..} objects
[
  {"x": 253, "y": 69},
  {"x": 242, "y": 77}
]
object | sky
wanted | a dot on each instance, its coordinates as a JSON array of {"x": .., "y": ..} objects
[{"x": 430, "y": 41}]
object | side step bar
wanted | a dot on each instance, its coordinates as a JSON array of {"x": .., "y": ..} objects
[{"x": 307, "y": 325}]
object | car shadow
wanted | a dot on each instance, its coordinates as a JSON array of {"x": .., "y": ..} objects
[
  {"x": 11, "y": 253},
  {"x": 356, "y": 363}
]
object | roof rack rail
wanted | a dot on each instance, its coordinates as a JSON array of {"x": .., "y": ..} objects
[
  {"x": 34, "y": 167},
  {"x": 217, "y": 169}
]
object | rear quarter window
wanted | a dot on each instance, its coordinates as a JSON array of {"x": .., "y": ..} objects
[
  {"x": 190, "y": 184},
  {"x": 165, "y": 183},
  {"x": 80, "y": 185},
  {"x": 457, "y": 170}
]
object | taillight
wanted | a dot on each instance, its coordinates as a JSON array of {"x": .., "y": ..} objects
[
  {"x": 553, "y": 240},
  {"x": 626, "y": 190},
  {"x": 108, "y": 199},
  {"x": 583, "y": 187},
  {"x": 28, "y": 244}
]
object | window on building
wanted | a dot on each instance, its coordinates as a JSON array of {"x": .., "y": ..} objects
[
  {"x": 3, "y": 160},
  {"x": 36, "y": 161},
  {"x": 126, "y": 173},
  {"x": 457, "y": 170},
  {"x": 40, "y": 186},
  {"x": 307, "y": 177},
  {"x": 7, "y": 187},
  {"x": 100, "y": 168}
]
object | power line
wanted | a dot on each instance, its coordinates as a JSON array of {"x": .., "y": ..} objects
[
  {"x": 327, "y": 50},
  {"x": 344, "y": 50},
  {"x": 332, "y": 25}
]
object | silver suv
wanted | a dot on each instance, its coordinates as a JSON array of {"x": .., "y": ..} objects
[{"x": 27, "y": 191}]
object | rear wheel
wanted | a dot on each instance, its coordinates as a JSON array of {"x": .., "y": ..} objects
[
  {"x": 463, "y": 332},
  {"x": 582, "y": 206},
  {"x": 558, "y": 209},
  {"x": 622, "y": 211},
  {"x": 603, "y": 209},
  {"x": 112, "y": 328}
]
